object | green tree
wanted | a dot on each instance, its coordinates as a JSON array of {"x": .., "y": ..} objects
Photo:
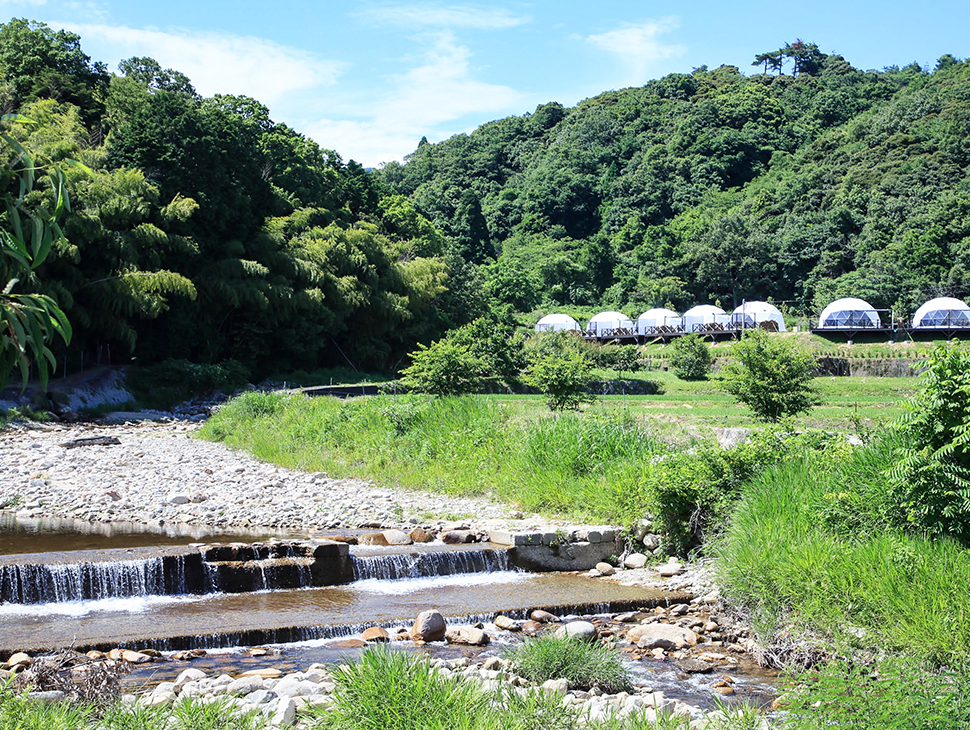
[
  {"x": 771, "y": 376},
  {"x": 445, "y": 367},
  {"x": 690, "y": 357},
  {"x": 562, "y": 377},
  {"x": 931, "y": 479},
  {"x": 28, "y": 321}
]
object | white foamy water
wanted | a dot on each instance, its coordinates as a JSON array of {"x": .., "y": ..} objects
[
  {"x": 79, "y": 609},
  {"x": 412, "y": 585}
]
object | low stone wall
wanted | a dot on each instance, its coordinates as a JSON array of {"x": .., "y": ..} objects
[{"x": 579, "y": 549}]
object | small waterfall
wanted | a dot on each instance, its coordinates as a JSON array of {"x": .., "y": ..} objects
[
  {"x": 397, "y": 566},
  {"x": 55, "y": 583}
]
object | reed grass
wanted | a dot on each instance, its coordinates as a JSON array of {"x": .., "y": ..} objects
[{"x": 582, "y": 664}]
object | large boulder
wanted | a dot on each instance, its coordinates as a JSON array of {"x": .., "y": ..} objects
[
  {"x": 579, "y": 630},
  {"x": 396, "y": 537},
  {"x": 429, "y": 626}
]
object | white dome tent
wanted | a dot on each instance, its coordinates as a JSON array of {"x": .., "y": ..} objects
[
  {"x": 657, "y": 318},
  {"x": 605, "y": 323},
  {"x": 752, "y": 314},
  {"x": 557, "y": 323},
  {"x": 703, "y": 314},
  {"x": 942, "y": 313},
  {"x": 849, "y": 313}
]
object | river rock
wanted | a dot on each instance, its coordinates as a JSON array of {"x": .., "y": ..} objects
[
  {"x": 635, "y": 560},
  {"x": 504, "y": 622},
  {"x": 263, "y": 673},
  {"x": 428, "y": 626},
  {"x": 19, "y": 659},
  {"x": 557, "y": 687},
  {"x": 372, "y": 538},
  {"x": 457, "y": 537},
  {"x": 375, "y": 633},
  {"x": 531, "y": 627},
  {"x": 670, "y": 568},
  {"x": 662, "y": 636},
  {"x": 244, "y": 685},
  {"x": 188, "y": 675},
  {"x": 396, "y": 537},
  {"x": 579, "y": 630},
  {"x": 543, "y": 617},
  {"x": 695, "y": 666},
  {"x": 285, "y": 714},
  {"x": 468, "y": 635},
  {"x": 135, "y": 657},
  {"x": 420, "y": 535},
  {"x": 605, "y": 569}
]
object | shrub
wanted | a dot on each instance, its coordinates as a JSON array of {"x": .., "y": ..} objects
[
  {"x": 771, "y": 376},
  {"x": 582, "y": 664},
  {"x": 563, "y": 379},
  {"x": 931, "y": 479},
  {"x": 446, "y": 367},
  {"x": 690, "y": 358}
]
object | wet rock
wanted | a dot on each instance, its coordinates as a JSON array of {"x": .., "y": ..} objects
[
  {"x": 457, "y": 537},
  {"x": 467, "y": 635},
  {"x": 375, "y": 633},
  {"x": 372, "y": 538},
  {"x": 531, "y": 627},
  {"x": 135, "y": 657},
  {"x": 396, "y": 537},
  {"x": 350, "y": 644},
  {"x": 264, "y": 673},
  {"x": 504, "y": 622},
  {"x": 543, "y": 617},
  {"x": 429, "y": 626},
  {"x": 420, "y": 535},
  {"x": 188, "y": 675},
  {"x": 695, "y": 666}
]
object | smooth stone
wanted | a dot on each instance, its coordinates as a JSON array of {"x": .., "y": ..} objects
[
  {"x": 543, "y": 617},
  {"x": 188, "y": 675},
  {"x": 635, "y": 560},
  {"x": 605, "y": 569},
  {"x": 457, "y": 537},
  {"x": 245, "y": 685},
  {"x": 135, "y": 657},
  {"x": 429, "y": 626},
  {"x": 285, "y": 714},
  {"x": 396, "y": 537},
  {"x": 662, "y": 636},
  {"x": 579, "y": 630},
  {"x": 375, "y": 633},
  {"x": 19, "y": 659},
  {"x": 372, "y": 538},
  {"x": 265, "y": 673},
  {"x": 557, "y": 687},
  {"x": 506, "y": 623},
  {"x": 420, "y": 535},
  {"x": 467, "y": 635}
]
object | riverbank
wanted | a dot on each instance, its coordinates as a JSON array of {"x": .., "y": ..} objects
[{"x": 157, "y": 474}]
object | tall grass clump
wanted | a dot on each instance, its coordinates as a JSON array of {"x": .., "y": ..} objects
[
  {"x": 568, "y": 464},
  {"x": 20, "y": 712},
  {"x": 584, "y": 665},
  {"x": 899, "y": 693},
  {"x": 809, "y": 552}
]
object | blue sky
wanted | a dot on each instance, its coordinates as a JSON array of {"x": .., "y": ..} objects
[{"x": 369, "y": 78}]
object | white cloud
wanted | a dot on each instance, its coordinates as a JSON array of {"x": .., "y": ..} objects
[
  {"x": 219, "y": 63},
  {"x": 429, "y": 15},
  {"x": 427, "y": 100},
  {"x": 639, "y": 47},
  {"x": 22, "y": 2}
]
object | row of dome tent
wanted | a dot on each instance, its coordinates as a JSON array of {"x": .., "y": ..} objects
[
  {"x": 704, "y": 318},
  {"x": 843, "y": 315}
]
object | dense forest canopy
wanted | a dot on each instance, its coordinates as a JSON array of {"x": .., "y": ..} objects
[{"x": 202, "y": 229}]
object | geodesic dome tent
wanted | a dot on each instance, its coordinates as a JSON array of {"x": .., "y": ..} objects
[
  {"x": 605, "y": 321},
  {"x": 703, "y": 314},
  {"x": 942, "y": 313},
  {"x": 752, "y": 314},
  {"x": 657, "y": 318},
  {"x": 557, "y": 322},
  {"x": 849, "y": 313}
]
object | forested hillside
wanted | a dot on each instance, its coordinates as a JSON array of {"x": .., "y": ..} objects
[
  {"x": 812, "y": 180},
  {"x": 201, "y": 229}
]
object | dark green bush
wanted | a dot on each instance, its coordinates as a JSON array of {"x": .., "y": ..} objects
[{"x": 690, "y": 358}]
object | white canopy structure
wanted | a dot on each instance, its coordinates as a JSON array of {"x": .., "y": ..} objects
[
  {"x": 657, "y": 318},
  {"x": 701, "y": 315},
  {"x": 557, "y": 322},
  {"x": 752, "y": 314},
  {"x": 942, "y": 313},
  {"x": 609, "y": 321},
  {"x": 849, "y": 313}
]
